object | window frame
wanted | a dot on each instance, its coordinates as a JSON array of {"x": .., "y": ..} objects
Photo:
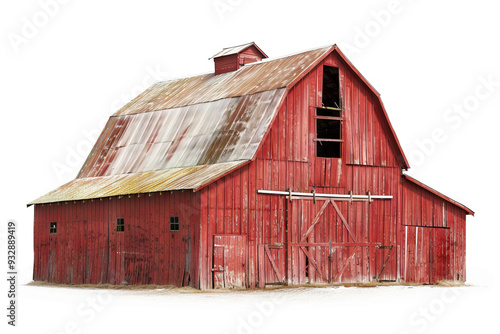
[
  {"x": 317, "y": 139},
  {"x": 174, "y": 225},
  {"x": 53, "y": 228},
  {"x": 337, "y": 114},
  {"x": 120, "y": 225}
]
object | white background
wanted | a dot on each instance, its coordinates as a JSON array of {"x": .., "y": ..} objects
[{"x": 66, "y": 67}]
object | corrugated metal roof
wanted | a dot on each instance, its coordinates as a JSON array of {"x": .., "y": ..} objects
[
  {"x": 137, "y": 183},
  {"x": 250, "y": 79},
  {"x": 236, "y": 49},
  {"x": 207, "y": 133}
]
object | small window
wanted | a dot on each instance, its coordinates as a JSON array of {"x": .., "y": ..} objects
[
  {"x": 174, "y": 223},
  {"x": 120, "y": 225},
  {"x": 53, "y": 228},
  {"x": 331, "y": 87}
]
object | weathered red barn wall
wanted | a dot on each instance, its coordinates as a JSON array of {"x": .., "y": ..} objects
[
  {"x": 88, "y": 249},
  {"x": 287, "y": 160},
  {"x": 433, "y": 240}
]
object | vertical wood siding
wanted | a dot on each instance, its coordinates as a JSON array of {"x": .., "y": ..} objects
[
  {"x": 287, "y": 160},
  {"x": 88, "y": 249},
  {"x": 433, "y": 241}
]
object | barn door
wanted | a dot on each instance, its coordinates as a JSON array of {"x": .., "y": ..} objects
[
  {"x": 324, "y": 246},
  {"x": 116, "y": 242},
  {"x": 426, "y": 254},
  {"x": 229, "y": 261},
  {"x": 272, "y": 253},
  {"x": 52, "y": 263}
]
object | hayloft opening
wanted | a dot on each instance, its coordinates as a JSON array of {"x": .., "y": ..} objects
[
  {"x": 120, "y": 225},
  {"x": 331, "y": 87},
  {"x": 328, "y": 133},
  {"x": 174, "y": 223}
]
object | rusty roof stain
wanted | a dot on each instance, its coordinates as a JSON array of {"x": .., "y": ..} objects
[{"x": 137, "y": 183}]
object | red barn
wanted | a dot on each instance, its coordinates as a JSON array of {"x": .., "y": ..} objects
[{"x": 268, "y": 171}]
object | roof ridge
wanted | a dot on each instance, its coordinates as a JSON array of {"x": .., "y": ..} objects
[
  {"x": 236, "y": 46},
  {"x": 267, "y": 60}
]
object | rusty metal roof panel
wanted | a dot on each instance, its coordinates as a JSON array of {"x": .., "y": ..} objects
[
  {"x": 208, "y": 133},
  {"x": 269, "y": 74},
  {"x": 137, "y": 183}
]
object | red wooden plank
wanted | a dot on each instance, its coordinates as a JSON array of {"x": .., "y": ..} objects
[
  {"x": 304, "y": 120},
  {"x": 252, "y": 206},
  {"x": 362, "y": 126},
  {"x": 282, "y": 134},
  {"x": 296, "y": 121},
  {"x": 220, "y": 204},
  {"x": 319, "y": 95},
  {"x": 288, "y": 104},
  {"x": 245, "y": 202},
  {"x": 355, "y": 123},
  {"x": 370, "y": 118},
  {"x": 274, "y": 138},
  {"x": 267, "y": 203},
  {"x": 211, "y": 228}
]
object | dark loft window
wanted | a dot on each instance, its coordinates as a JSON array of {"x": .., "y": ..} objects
[
  {"x": 174, "y": 223},
  {"x": 53, "y": 228},
  {"x": 328, "y": 133},
  {"x": 329, "y": 117},
  {"x": 120, "y": 225},
  {"x": 331, "y": 87}
]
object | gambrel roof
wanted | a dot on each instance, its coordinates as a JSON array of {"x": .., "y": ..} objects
[{"x": 186, "y": 133}]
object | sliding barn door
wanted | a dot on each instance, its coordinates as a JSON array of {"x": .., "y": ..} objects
[{"x": 328, "y": 241}]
